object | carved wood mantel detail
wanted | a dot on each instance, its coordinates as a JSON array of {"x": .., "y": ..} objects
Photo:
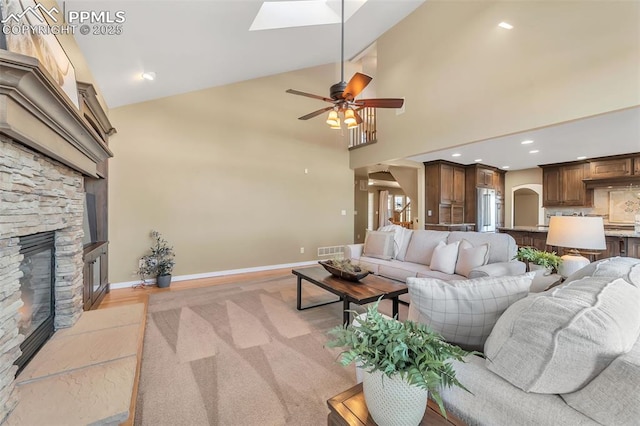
[{"x": 36, "y": 112}]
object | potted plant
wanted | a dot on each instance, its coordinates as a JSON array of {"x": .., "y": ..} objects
[
  {"x": 402, "y": 362},
  {"x": 159, "y": 262},
  {"x": 539, "y": 259}
]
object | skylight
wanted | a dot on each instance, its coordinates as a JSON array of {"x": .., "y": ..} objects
[{"x": 302, "y": 13}]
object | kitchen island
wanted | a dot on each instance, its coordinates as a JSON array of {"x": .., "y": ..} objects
[{"x": 621, "y": 240}]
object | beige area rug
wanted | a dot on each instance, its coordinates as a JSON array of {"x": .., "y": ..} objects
[{"x": 240, "y": 354}]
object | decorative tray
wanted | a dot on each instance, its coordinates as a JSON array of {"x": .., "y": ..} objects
[{"x": 339, "y": 273}]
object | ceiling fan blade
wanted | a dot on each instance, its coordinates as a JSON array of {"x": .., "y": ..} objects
[
  {"x": 315, "y": 113},
  {"x": 381, "y": 103},
  {"x": 356, "y": 85},
  {"x": 309, "y": 95}
]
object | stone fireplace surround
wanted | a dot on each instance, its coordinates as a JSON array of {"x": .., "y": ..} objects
[{"x": 46, "y": 149}]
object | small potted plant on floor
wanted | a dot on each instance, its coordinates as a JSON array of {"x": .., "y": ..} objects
[
  {"x": 402, "y": 362},
  {"x": 159, "y": 262},
  {"x": 539, "y": 259}
]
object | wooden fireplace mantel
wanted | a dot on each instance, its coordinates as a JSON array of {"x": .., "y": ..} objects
[{"x": 36, "y": 112}]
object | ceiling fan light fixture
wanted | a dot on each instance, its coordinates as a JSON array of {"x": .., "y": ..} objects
[
  {"x": 350, "y": 118},
  {"x": 352, "y": 125},
  {"x": 332, "y": 119},
  {"x": 336, "y": 126}
]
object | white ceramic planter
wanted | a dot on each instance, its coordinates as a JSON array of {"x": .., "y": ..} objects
[{"x": 392, "y": 401}]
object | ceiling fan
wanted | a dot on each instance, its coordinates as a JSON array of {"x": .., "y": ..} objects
[{"x": 343, "y": 96}]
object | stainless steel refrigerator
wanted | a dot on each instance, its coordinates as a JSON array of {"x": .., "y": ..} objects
[{"x": 486, "y": 208}]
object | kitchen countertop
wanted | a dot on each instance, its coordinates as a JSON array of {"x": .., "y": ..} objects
[{"x": 607, "y": 232}]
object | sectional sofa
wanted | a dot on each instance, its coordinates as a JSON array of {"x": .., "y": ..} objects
[
  {"x": 398, "y": 253},
  {"x": 566, "y": 356}
]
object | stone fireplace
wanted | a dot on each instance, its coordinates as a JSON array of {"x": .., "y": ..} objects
[{"x": 47, "y": 148}]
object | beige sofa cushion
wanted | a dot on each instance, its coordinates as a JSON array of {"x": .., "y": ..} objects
[
  {"x": 422, "y": 244},
  {"x": 627, "y": 268},
  {"x": 470, "y": 257},
  {"x": 379, "y": 244},
  {"x": 502, "y": 248},
  {"x": 464, "y": 311},
  {"x": 613, "y": 397},
  {"x": 559, "y": 340}
]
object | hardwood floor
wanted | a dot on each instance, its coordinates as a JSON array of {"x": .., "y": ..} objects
[{"x": 126, "y": 296}]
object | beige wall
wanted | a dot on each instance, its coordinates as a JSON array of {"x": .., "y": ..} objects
[
  {"x": 221, "y": 174},
  {"x": 525, "y": 210},
  {"x": 467, "y": 80}
]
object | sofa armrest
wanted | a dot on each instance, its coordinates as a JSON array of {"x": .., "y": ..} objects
[
  {"x": 353, "y": 251},
  {"x": 498, "y": 269}
]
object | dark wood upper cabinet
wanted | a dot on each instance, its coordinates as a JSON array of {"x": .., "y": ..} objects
[
  {"x": 636, "y": 166},
  {"x": 563, "y": 186},
  {"x": 484, "y": 177},
  {"x": 611, "y": 168},
  {"x": 444, "y": 192}
]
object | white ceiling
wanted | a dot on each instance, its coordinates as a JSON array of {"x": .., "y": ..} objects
[
  {"x": 192, "y": 45},
  {"x": 599, "y": 136}
]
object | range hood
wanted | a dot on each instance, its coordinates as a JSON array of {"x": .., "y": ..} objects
[{"x": 620, "y": 181}]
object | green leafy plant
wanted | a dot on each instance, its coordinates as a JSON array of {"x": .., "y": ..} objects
[
  {"x": 543, "y": 258},
  {"x": 160, "y": 261},
  {"x": 408, "y": 349}
]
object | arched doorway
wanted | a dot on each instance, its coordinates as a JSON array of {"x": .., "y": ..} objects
[{"x": 527, "y": 205}]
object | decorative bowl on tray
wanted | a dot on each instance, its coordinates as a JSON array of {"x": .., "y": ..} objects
[{"x": 344, "y": 269}]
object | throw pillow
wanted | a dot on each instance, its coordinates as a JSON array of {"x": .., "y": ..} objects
[
  {"x": 470, "y": 257},
  {"x": 378, "y": 244},
  {"x": 404, "y": 245},
  {"x": 559, "y": 340},
  {"x": 464, "y": 311},
  {"x": 444, "y": 257}
]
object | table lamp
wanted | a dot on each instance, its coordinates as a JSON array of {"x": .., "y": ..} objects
[{"x": 575, "y": 232}]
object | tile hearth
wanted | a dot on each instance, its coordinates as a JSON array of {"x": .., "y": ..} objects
[{"x": 85, "y": 374}]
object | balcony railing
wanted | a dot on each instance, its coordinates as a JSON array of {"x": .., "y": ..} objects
[{"x": 365, "y": 133}]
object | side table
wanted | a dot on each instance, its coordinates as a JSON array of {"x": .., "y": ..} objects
[{"x": 349, "y": 409}]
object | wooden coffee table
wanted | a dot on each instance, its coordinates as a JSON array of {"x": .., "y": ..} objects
[
  {"x": 350, "y": 409},
  {"x": 367, "y": 290}
]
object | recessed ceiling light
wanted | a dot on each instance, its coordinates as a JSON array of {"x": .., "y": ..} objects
[
  {"x": 582, "y": 157},
  {"x": 526, "y": 142},
  {"x": 477, "y": 160},
  {"x": 505, "y": 167},
  {"x": 457, "y": 154},
  {"x": 149, "y": 75},
  {"x": 505, "y": 25},
  {"x": 534, "y": 151}
]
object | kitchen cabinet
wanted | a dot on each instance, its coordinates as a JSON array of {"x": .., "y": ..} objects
[
  {"x": 563, "y": 186},
  {"x": 615, "y": 247},
  {"x": 618, "y": 167},
  {"x": 444, "y": 192},
  {"x": 636, "y": 166},
  {"x": 633, "y": 247},
  {"x": 484, "y": 177}
]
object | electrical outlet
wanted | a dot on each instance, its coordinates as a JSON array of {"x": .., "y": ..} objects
[
  {"x": 343, "y": 212},
  {"x": 301, "y": 250},
  {"x": 429, "y": 213}
]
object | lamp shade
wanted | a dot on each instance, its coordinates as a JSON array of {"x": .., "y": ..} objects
[
  {"x": 332, "y": 119},
  {"x": 576, "y": 232},
  {"x": 349, "y": 117}
]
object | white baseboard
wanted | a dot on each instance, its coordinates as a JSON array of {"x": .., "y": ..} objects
[{"x": 127, "y": 284}]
